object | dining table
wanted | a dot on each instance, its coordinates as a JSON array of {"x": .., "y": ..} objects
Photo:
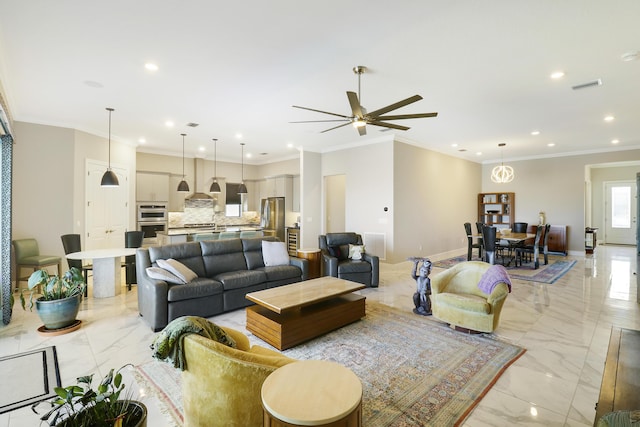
[
  {"x": 107, "y": 266},
  {"x": 513, "y": 240}
]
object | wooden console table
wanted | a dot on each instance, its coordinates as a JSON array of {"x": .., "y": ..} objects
[{"x": 620, "y": 389}]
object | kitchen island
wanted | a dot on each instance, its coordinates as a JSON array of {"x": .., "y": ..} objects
[{"x": 189, "y": 234}]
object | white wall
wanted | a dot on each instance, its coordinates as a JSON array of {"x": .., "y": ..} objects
[{"x": 310, "y": 199}]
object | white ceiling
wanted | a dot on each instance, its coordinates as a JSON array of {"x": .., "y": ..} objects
[{"x": 238, "y": 67}]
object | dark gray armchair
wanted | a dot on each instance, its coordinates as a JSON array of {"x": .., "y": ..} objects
[{"x": 336, "y": 261}]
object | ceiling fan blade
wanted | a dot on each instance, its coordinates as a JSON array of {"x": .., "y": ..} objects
[
  {"x": 320, "y": 111},
  {"x": 395, "y": 106},
  {"x": 339, "y": 126},
  {"x": 407, "y": 116},
  {"x": 388, "y": 125},
  {"x": 355, "y": 104},
  {"x": 322, "y": 121}
]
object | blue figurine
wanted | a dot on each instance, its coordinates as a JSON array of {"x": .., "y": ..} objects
[{"x": 421, "y": 297}]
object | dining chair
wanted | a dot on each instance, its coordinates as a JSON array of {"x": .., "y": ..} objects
[
  {"x": 534, "y": 250},
  {"x": 479, "y": 228},
  {"x": 27, "y": 255},
  {"x": 520, "y": 227},
  {"x": 470, "y": 244},
  {"x": 489, "y": 238},
  {"x": 71, "y": 243},
  {"x": 545, "y": 243},
  {"x": 132, "y": 239}
]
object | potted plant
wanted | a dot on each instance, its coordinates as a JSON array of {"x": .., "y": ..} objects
[
  {"x": 61, "y": 296},
  {"x": 82, "y": 406}
]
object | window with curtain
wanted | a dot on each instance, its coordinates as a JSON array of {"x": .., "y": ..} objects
[{"x": 233, "y": 200}]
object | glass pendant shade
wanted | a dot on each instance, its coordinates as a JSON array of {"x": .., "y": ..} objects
[
  {"x": 109, "y": 179},
  {"x": 183, "y": 187}
]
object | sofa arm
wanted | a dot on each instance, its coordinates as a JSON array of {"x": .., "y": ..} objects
[
  {"x": 374, "y": 260},
  {"x": 302, "y": 264},
  {"x": 153, "y": 303},
  {"x": 329, "y": 265}
]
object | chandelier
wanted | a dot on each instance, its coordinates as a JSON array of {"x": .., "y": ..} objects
[{"x": 502, "y": 174}]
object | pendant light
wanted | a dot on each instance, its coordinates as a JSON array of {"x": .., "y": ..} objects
[
  {"x": 183, "y": 187},
  {"x": 109, "y": 179},
  {"x": 502, "y": 174},
  {"x": 215, "y": 187},
  {"x": 242, "y": 189}
]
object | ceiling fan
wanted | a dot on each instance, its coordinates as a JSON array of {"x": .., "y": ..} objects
[{"x": 360, "y": 117}]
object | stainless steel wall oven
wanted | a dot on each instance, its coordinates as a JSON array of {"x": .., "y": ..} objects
[{"x": 152, "y": 218}]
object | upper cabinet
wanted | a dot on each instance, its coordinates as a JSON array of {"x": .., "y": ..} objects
[
  {"x": 152, "y": 187},
  {"x": 497, "y": 209}
]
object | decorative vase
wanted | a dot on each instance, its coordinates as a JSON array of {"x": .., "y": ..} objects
[
  {"x": 60, "y": 313},
  {"x": 541, "y": 219}
]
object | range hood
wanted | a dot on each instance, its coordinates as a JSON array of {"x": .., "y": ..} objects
[{"x": 198, "y": 172}]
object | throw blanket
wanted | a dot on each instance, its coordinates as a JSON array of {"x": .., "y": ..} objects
[
  {"x": 620, "y": 419},
  {"x": 168, "y": 345},
  {"x": 494, "y": 275}
]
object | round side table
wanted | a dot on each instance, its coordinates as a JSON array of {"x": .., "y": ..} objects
[
  {"x": 312, "y": 393},
  {"x": 313, "y": 256}
]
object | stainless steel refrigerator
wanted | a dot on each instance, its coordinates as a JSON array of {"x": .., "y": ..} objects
[{"x": 272, "y": 217}]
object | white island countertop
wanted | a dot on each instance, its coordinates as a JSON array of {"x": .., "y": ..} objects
[{"x": 189, "y": 231}]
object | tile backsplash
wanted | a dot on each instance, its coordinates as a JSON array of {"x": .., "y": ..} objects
[{"x": 199, "y": 215}]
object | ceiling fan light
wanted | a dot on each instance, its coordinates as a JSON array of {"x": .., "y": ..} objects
[
  {"x": 215, "y": 187},
  {"x": 109, "y": 179},
  {"x": 502, "y": 174},
  {"x": 358, "y": 123}
]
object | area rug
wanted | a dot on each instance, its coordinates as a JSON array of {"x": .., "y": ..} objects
[
  {"x": 414, "y": 370},
  {"x": 28, "y": 378},
  {"x": 549, "y": 273}
]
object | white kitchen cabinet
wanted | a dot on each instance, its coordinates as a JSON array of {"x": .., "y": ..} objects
[
  {"x": 176, "y": 200},
  {"x": 152, "y": 187}
]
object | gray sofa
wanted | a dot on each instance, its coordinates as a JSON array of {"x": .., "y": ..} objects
[{"x": 227, "y": 270}]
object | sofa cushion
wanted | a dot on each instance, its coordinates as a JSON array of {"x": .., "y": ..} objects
[
  {"x": 353, "y": 267},
  {"x": 162, "y": 274},
  {"x": 337, "y": 251},
  {"x": 274, "y": 253},
  {"x": 197, "y": 288},
  {"x": 221, "y": 256},
  {"x": 281, "y": 272},
  {"x": 356, "y": 251},
  {"x": 177, "y": 268},
  {"x": 188, "y": 254},
  {"x": 334, "y": 239},
  {"x": 240, "y": 279},
  {"x": 466, "y": 302},
  {"x": 252, "y": 249}
]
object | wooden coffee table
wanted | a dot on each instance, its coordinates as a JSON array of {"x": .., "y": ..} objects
[{"x": 291, "y": 314}]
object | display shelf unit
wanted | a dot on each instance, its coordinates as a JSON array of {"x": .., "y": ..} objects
[{"x": 497, "y": 209}]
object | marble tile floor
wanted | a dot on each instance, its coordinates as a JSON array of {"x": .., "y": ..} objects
[{"x": 565, "y": 328}]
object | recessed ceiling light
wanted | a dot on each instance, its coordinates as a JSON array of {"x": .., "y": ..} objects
[
  {"x": 249, "y": 155},
  {"x": 238, "y": 135},
  {"x": 535, "y": 132},
  {"x": 479, "y": 153},
  {"x": 551, "y": 144},
  {"x": 557, "y": 74},
  {"x": 454, "y": 145},
  {"x": 609, "y": 118},
  {"x": 150, "y": 66},
  {"x": 289, "y": 145},
  {"x": 201, "y": 148},
  {"x": 142, "y": 140},
  {"x": 168, "y": 124},
  {"x": 615, "y": 141}
]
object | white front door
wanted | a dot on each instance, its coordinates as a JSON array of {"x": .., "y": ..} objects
[
  {"x": 106, "y": 210},
  {"x": 620, "y": 212}
]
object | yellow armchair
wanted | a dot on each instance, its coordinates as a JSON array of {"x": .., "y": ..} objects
[
  {"x": 221, "y": 385},
  {"x": 457, "y": 300}
]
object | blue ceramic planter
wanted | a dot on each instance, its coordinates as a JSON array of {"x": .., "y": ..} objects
[{"x": 60, "y": 313}]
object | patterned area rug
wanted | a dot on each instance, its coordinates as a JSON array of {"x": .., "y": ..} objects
[
  {"x": 544, "y": 274},
  {"x": 414, "y": 370}
]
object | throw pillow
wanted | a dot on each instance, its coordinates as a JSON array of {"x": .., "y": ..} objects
[
  {"x": 177, "y": 268},
  {"x": 274, "y": 253},
  {"x": 162, "y": 274},
  {"x": 356, "y": 251}
]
